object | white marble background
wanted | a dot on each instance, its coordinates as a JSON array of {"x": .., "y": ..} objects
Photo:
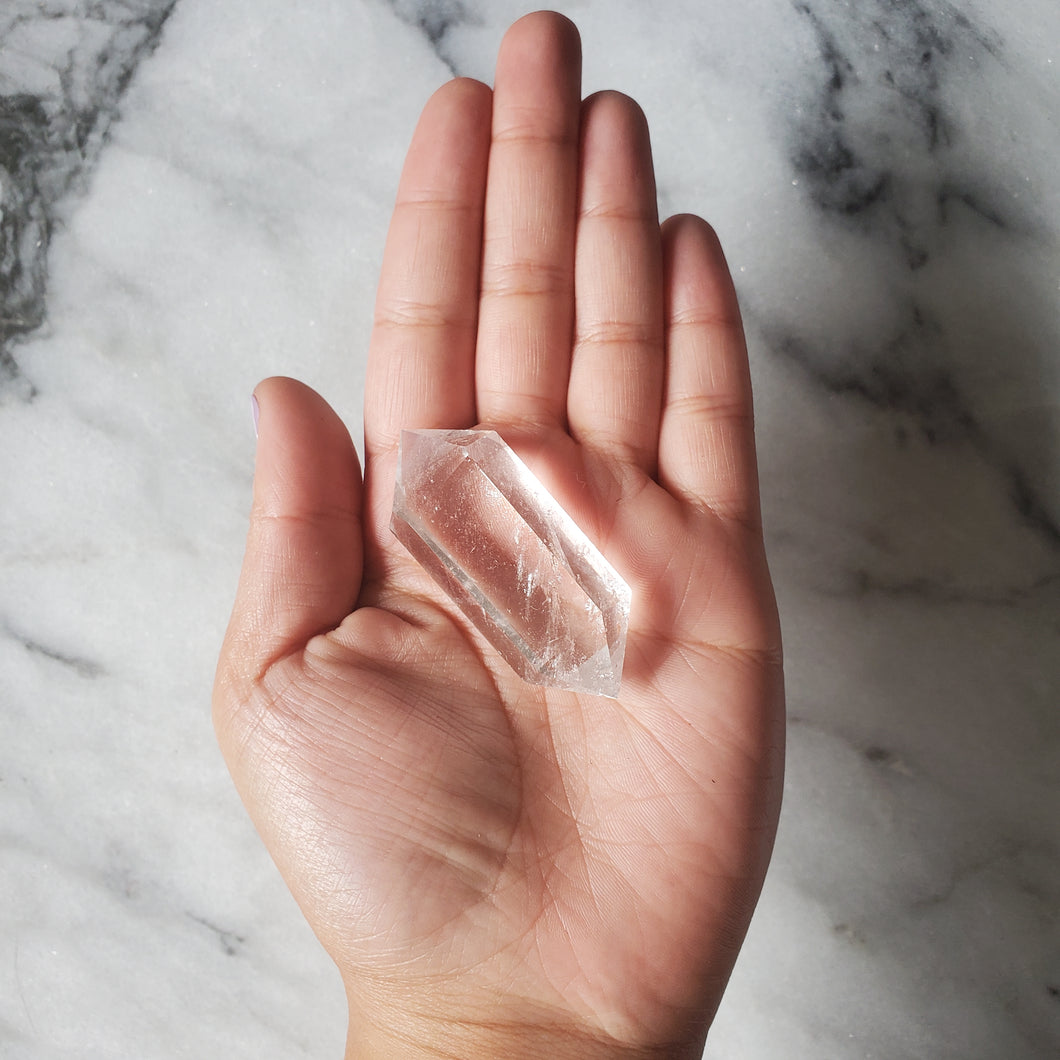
[{"x": 193, "y": 195}]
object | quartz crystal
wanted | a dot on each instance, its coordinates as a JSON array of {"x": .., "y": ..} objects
[{"x": 512, "y": 559}]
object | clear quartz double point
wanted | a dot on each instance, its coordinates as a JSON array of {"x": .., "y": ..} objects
[{"x": 490, "y": 534}]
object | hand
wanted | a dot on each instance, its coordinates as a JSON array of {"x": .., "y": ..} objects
[{"x": 498, "y": 869}]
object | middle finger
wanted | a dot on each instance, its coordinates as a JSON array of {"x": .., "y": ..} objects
[{"x": 527, "y": 296}]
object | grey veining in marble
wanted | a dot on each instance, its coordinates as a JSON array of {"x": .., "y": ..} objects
[
  {"x": 63, "y": 69},
  {"x": 194, "y": 194}
]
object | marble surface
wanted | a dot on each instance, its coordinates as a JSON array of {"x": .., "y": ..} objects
[{"x": 194, "y": 194}]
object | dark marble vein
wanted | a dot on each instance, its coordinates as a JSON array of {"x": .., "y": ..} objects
[
  {"x": 82, "y": 667},
  {"x": 435, "y": 19},
  {"x": 873, "y": 145},
  {"x": 902, "y": 375},
  {"x": 230, "y": 940},
  {"x": 50, "y": 142},
  {"x": 906, "y": 378},
  {"x": 933, "y": 591},
  {"x": 884, "y": 157}
]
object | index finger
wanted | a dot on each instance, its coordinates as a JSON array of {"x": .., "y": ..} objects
[{"x": 422, "y": 351}]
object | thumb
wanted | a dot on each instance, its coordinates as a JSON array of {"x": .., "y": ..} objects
[{"x": 302, "y": 568}]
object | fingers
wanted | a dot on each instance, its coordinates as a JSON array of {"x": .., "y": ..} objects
[
  {"x": 302, "y": 569},
  {"x": 526, "y": 307},
  {"x": 706, "y": 439},
  {"x": 476, "y": 313},
  {"x": 617, "y": 364},
  {"x": 421, "y": 357}
]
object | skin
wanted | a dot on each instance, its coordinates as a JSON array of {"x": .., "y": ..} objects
[{"x": 498, "y": 869}]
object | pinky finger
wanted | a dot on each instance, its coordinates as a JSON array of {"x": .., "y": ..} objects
[{"x": 706, "y": 438}]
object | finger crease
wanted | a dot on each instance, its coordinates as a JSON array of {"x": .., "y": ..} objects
[{"x": 711, "y": 406}]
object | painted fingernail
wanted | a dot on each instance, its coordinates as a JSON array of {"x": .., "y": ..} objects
[{"x": 255, "y": 408}]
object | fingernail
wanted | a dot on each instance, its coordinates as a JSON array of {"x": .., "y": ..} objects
[{"x": 255, "y": 408}]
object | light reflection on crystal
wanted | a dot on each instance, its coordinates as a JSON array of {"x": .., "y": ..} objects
[{"x": 516, "y": 564}]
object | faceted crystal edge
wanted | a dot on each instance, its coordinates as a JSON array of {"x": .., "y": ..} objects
[
  {"x": 464, "y": 592},
  {"x": 584, "y": 548},
  {"x": 580, "y": 553},
  {"x": 601, "y": 674},
  {"x": 511, "y": 647}
]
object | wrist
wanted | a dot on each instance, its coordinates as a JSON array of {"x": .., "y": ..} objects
[{"x": 409, "y": 1035}]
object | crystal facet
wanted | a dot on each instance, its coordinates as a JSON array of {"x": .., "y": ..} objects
[{"x": 512, "y": 559}]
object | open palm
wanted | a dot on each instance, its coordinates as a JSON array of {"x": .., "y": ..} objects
[{"x": 496, "y": 868}]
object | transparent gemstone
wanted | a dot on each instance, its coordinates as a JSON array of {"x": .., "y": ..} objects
[{"x": 512, "y": 559}]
